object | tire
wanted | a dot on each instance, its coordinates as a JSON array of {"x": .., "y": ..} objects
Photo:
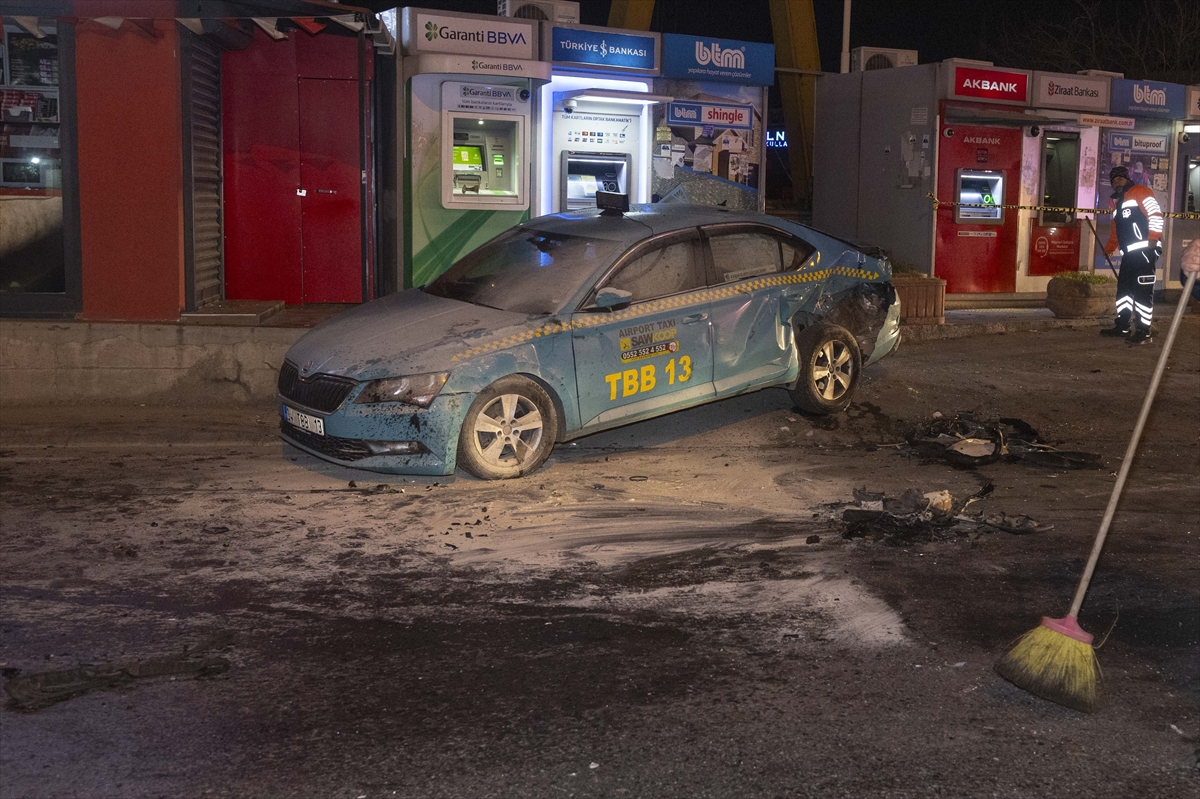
[
  {"x": 821, "y": 389},
  {"x": 509, "y": 430}
]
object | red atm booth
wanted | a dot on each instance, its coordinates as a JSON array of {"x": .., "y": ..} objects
[{"x": 977, "y": 247}]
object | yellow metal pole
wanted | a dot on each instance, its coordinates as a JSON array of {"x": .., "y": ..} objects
[
  {"x": 631, "y": 14},
  {"x": 795, "y": 28}
]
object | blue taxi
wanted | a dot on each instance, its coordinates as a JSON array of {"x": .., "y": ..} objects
[{"x": 573, "y": 323}]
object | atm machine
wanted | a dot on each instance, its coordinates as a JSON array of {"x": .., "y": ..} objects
[
  {"x": 979, "y": 187},
  {"x": 600, "y": 140},
  {"x": 483, "y": 142},
  {"x": 583, "y": 173}
]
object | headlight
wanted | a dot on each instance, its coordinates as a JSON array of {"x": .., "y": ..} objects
[{"x": 412, "y": 389}]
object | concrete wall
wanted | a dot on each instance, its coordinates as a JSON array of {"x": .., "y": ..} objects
[{"x": 86, "y": 363}]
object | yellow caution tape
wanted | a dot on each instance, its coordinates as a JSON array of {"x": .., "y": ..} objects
[
  {"x": 937, "y": 202},
  {"x": 806, "y": 275}
]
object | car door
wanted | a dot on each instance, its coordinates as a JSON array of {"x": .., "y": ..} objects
[
  {"x": 654, "y": 355},
  {"x": 754, "y": 274}
]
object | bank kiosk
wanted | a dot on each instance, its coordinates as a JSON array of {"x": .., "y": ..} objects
[
  {"x": 466, "y": 95},
  {"x": 595, "y": 115}
]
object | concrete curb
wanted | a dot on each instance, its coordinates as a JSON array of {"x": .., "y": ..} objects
[
  {"x": 963, "y": 324},
  {"x": 63, "y": 363}
]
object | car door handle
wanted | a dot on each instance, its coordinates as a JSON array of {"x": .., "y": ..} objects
[
  {"x": 694, "y": 318},
  {"x": 326, "y": 191}
]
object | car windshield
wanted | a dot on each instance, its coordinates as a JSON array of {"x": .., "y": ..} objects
[{"x": 524, "y": 270}]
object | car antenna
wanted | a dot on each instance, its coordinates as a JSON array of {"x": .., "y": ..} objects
[{"x": 612, "y": 203}]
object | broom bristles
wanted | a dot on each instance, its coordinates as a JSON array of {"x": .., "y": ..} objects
[{"x": 1054, "y": 666}]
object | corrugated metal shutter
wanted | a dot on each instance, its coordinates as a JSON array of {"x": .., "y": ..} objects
[{"x": 203, "y": 114}]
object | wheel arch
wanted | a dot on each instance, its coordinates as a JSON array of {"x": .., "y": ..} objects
[{"x": 554, "y": 397}]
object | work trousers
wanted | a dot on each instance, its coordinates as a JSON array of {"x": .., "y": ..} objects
[{"x": 1135, "y": 289}]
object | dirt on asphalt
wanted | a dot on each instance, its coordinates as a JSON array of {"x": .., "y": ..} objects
[{"x": 645, "y": 616}]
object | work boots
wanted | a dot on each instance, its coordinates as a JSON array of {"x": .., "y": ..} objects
[{"x": 1141, "y": 335}]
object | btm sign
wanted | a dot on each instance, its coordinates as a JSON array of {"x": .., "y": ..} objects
[{"x": 718, "y": 57}]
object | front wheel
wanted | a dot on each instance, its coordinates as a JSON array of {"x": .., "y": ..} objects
[
  {"x": 509, "y": 430},
  {"x": 830, "y": 363}
]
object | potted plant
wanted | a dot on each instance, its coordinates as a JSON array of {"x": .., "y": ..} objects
[
  {"x": 922, "y": 298},
  {"x": 1080, "y": 295}
]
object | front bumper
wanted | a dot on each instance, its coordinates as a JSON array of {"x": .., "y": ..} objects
[{"x": 354, "y": 434}]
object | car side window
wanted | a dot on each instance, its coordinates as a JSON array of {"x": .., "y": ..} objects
[
  {"x": 796, "y": 253},
  {"x": 737, "y": 256},
  {"x": 662, "y": 271}
]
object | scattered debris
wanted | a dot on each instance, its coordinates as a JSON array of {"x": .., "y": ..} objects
[
  {"x": 921, "y": 517},
  {"x": 32, "y": 692},
  {"x": 967, "y": 442}
]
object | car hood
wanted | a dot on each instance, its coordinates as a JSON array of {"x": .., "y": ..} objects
[{"x": 405, "y": 333}]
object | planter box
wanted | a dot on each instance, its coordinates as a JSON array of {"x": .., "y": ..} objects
[
  {"x": 922, "y": 299},
  {"x": 1075, "y": 299}
]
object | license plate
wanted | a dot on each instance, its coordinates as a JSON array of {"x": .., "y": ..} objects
[{"x": 304, "y": 421}]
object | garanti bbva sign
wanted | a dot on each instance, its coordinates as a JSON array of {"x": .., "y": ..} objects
[{"x": 467, "y": 34}]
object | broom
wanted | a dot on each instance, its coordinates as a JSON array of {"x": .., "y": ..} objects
[{"x": 1056, "y": 660}]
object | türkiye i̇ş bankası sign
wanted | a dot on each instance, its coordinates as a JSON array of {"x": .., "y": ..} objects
[{"x": 604, "y": 49}]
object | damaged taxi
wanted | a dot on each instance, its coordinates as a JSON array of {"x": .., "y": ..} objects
[{"x": 570, "y": 324}]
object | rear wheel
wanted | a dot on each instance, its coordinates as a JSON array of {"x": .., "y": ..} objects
[
  {"x": 830, "y": 363},
  {"x": 509, "y": 430}
]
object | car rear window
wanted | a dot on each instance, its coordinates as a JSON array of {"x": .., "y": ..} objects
[{"x": 525, "y": 270}]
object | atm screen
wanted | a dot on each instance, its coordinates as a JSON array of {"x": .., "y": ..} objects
[
  {"x": 468, "y": 158},
  {"x": 981, "y": 192}
]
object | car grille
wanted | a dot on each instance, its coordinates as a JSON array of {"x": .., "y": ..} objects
[
  {"x": 321, "y": 393},
  {"x": 342, "y": 449}
]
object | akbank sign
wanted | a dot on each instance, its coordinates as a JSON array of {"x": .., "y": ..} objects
[
  {"x": 1148, "y": 98},
  {"x": 722, "y": 60},
  {"x": 604, "y": 49}
]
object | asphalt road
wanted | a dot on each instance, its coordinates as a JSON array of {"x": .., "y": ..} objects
[{"x": 648, "y": 616}]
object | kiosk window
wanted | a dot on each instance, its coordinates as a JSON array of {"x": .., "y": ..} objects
[
  {"x": 662, "y": 271},
  {"x": 1060, "y": 174},
  {"x": 738, "y": 256}
]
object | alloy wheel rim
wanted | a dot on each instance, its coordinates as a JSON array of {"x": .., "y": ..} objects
[
  {"x": 508, "y": 431},
  {"x": 833, "y": 370}
]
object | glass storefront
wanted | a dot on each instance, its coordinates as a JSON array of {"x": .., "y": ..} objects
[{"x": 33, "y": 221}]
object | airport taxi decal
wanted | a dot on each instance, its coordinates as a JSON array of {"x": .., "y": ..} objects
[
  {"x": 581, "y": 322},
  {"x": 648, "y": 340}
]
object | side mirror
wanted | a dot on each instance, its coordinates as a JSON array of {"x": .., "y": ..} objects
[{"x": 610, "y": 299}]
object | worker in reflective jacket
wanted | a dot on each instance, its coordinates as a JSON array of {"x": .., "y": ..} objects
[{"x": 1137, "y": 238}]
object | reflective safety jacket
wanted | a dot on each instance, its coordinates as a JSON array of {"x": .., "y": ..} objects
[{"x": 1137, "y": 222}]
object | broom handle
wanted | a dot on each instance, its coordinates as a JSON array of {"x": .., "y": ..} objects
[{"x": 1132, "y": 448}]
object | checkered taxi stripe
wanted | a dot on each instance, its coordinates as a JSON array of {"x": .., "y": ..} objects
[{"x": 656, "y": 306}]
